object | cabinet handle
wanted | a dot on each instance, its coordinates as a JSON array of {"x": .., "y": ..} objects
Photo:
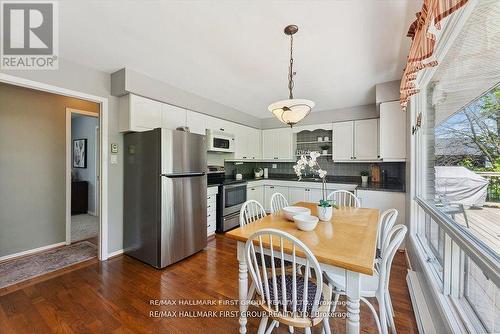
[
  {"x": 275, "y": 157},
  {"x": 222, "y": 129},
  {"x": 244, "y": 157},
  {"x": 271, "y": 187},
  {"x": 208, "y": 206},
  {"x": 208, "y": 215},
  {"x": 252, "y": 189}
]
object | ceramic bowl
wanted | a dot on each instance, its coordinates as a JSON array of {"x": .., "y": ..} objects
[
  {"x": 291, "y": 211},
  {"x": 306, "y": 222}
]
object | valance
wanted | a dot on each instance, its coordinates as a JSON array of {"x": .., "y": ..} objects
[{"x": 423, "y": 42}]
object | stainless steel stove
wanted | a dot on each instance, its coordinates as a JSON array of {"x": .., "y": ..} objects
[{"x": 232, "y": 195}]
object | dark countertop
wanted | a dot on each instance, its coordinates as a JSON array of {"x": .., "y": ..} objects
[{"x": 391, "y": 185}]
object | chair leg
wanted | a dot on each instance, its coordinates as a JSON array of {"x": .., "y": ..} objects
[
  {"x": 333, "y": 307},
  {"x": 262, "y": 325},
  {"x": 390, "y": 313},
  {"x": 375, "y": 315},
  {"x": 326, "y": 326},
  {"x": 251, "y": 291},
  {"x": 290, "y": 329},
  {"x": 307, "y": 330},
  {"x": 272, "y": 326}
]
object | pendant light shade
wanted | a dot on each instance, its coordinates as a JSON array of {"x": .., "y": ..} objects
[{"x": 291, "y": 111}]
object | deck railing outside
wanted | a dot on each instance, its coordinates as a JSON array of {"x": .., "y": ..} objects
[{"x": 493, "y": 186}]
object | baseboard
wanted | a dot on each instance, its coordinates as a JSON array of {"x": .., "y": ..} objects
[
  {"x": 31, "y": 251},
  {"x": 422, "y": 314},
  {"x": 115, "y": 253},
  {"x": 92, "y": 213}
]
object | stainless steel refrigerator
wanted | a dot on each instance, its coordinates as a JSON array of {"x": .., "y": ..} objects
[{"x": 165, "y": 196}]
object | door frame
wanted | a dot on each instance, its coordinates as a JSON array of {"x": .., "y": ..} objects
[
  {"x": 104, "y": 139},
  {"x": 69, "y": 146}
]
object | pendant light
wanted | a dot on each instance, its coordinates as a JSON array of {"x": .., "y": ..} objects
[{"x": 291, "y": 111}]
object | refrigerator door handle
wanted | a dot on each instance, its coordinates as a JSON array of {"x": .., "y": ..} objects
[{"x": 172, "y": 176}]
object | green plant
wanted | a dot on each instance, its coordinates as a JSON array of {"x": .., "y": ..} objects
[
  {"x": 364, "y": 173},
  {"x": 324, "y": 147},
  {"x": 327, "y": 203}
]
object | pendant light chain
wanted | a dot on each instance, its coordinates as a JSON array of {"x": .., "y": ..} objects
[
  {"x": 291, "y": 111},
  {"x": 290, "y": 72}
]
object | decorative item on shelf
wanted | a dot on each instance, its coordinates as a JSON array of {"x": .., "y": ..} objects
[
  {"x": 324, "y": 149},
  {"x": 304, "y": 164},
  {"x": 364, "y": 176},
  {"x": 293, "y": 110},
  {"x": 258, "y": 172},
  {"x": 326, "y": 138},
  {"x": 320, "y": 139},
  {"x": 266, "y": 173}
]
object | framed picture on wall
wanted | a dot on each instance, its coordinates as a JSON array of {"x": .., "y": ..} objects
[{"x": 80, "y": 153}]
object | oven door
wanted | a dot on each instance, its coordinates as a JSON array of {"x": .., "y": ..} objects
[{"x": 233, "y": 197}]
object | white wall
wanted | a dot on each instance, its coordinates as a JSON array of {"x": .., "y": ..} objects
[
  {"x": 83, "y": 127},
  {"x": 83, "y": 79}
]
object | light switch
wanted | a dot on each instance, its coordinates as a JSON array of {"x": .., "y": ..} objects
[{"x": 114, "y": 159}]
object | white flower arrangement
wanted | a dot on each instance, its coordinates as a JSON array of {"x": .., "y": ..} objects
[{"x": 310, "y": 163}]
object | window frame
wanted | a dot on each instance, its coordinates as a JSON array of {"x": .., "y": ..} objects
[{"x": 458, "y": 242}]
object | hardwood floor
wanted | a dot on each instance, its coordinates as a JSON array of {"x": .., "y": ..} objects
[{"x": 115, "y": 297}]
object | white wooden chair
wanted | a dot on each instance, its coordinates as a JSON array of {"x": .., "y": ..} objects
[
  {"x": 278, "y": 202},
  {"x": 291, "y": 298},
  {"x": 250, "y": 211},
  {"x": 387, "y": 221},
  {"x": 344, "y": 198},
  {"x": 377, "y": 285}
]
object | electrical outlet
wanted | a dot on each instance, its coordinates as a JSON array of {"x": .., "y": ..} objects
[{"x": 275, "y": 166}]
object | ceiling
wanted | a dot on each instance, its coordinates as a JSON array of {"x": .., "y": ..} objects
[{"x": 235, "y": 52}]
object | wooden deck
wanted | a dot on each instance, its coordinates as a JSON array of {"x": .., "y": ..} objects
[{"x": 485, "y": 224}]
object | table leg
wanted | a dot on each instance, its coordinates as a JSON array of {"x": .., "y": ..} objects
[
  {"x": 242, "y": 286},
  {"x": 353, "y": 293}
]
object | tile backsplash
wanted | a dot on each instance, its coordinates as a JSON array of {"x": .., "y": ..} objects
[{"x": 395, "y": 170}]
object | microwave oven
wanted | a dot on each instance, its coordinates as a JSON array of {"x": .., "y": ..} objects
[{"x": 219, "y": 141}]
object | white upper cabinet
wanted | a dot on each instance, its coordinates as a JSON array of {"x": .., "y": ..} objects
[
  {"x": 138, "y": 113},
  {"x": 366, "y": 139},
  {"x": 392, "y": 132},
  {"x": 277, "y": 144},
  {"x": 343, "y": 141},
  {"x": 196, "y": 122},
  {"x": 356, "y": 140},
  {"x": 172, "y": 117}
]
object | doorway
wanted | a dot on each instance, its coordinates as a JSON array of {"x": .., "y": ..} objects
[{"x": 82, "y": 176}]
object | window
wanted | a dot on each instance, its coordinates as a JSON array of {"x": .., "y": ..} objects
[{"x": 457, "y": 154}]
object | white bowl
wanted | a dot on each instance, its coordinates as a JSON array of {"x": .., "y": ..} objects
[
  {"x": 291, "y": 211},
  {"x": 305, "y": 222}
]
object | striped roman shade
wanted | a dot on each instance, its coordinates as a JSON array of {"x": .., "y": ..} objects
[{"x": 423, "y": 42}]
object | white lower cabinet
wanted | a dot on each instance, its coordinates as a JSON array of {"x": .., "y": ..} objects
[
  {"x": 304, "y": 195},
  {"x": 269, "y": 191},
  {"x": 211, "y": 210},
  {"x": 256, "y": 193},
  {"x": 296, "y": 195},
  {"x": 384, "y": 200}
]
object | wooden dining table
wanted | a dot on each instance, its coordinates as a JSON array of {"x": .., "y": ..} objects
[{"x": 347, "y": 243}]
